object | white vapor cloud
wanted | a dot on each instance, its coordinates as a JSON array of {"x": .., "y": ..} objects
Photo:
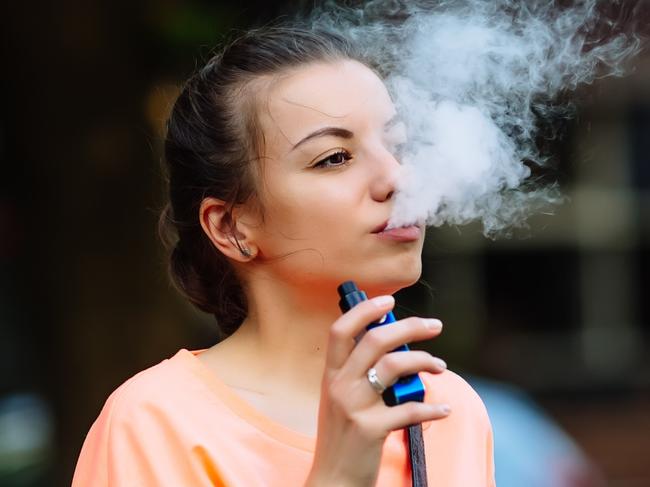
[{"x": 473, "y": 80}]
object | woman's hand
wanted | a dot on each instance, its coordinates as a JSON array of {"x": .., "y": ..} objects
[{"x": 353, "y": 420}]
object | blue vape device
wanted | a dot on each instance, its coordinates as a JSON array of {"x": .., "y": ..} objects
[{"x": 408, "y": 388}]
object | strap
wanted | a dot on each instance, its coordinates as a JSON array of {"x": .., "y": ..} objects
[{"x": 416, "y": 454}]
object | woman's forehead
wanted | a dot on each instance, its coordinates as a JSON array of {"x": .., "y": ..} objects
[{"x": 343, "y": 93}]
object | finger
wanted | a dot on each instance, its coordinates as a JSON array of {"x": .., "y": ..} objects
[
  {"x": 383, "y": 339},
  {"x": 394, "y": 365},
  {"x": 404, "y": 415},
  {"x": 350, "y": 324}
]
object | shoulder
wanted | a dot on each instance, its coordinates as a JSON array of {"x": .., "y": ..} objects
[
  {"x": 138, "y": 437},
  {"x": 158, "y": 391},
  {"x": 155, "y": 382},
  {"x": 450, "y": 388},
  {"x": 462, "y": 438}
]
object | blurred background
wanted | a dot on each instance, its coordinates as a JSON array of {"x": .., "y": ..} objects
[{"x": 551, "y": 326}]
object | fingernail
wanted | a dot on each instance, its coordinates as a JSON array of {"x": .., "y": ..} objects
[
  {"x": 383, "y": 301},
  {"x": 445, "y": 409},
  {"x": 433, "y": 324},
  {"x": 440, "y": 362}
]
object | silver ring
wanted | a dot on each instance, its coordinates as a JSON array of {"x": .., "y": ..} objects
[{"x": 374, "y": 381}]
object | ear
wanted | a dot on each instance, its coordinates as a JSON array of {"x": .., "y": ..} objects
[{"x": 232, "y": 238}]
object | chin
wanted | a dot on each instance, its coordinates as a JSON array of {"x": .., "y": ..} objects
[{"x": 391, "y": 282}]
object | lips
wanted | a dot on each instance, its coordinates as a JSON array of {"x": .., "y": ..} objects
[
  {"x": 381, "y": 227},
  {"x": 406, "y": 233}
]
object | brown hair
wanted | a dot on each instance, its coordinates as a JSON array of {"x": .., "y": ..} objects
[{"x": 213, "y": 139}]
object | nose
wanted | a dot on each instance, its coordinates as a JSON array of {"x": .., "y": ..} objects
[{"x": 386, "y": 173}]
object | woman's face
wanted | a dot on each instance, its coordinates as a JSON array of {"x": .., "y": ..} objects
[{"x": 326, "y": 194}]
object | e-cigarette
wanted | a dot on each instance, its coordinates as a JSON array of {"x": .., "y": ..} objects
[{"x": 408, "y": 388}]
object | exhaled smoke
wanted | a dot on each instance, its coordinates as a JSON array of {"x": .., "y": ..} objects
[{"x": 473, "y": 79}]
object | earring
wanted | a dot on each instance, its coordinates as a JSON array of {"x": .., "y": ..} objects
[{"x": 245, "y": 251}]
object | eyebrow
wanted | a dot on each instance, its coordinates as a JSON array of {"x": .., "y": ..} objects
[{"x": 341, "y": 132}]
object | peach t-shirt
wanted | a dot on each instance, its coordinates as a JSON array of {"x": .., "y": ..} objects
[{"x": 176, "y": 424}]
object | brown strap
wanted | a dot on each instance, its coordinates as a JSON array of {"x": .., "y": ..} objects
[{"x": 416, "y": 453}]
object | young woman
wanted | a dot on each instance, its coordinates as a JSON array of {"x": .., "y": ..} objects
[{"x": 283, "y": 164}]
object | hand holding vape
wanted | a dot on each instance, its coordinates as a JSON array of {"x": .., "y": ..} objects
[{"x": 408, "y": 388}]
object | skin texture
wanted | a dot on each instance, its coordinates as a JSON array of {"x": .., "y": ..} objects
[{"x": 315, "y": 230}]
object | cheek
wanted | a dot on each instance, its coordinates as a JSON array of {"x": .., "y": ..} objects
[
  {"x": 307, "y": 225},
  {"x": 310, "y": 208}
]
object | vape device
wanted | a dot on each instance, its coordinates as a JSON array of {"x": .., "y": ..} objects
[{"x": 408, "y": 388}]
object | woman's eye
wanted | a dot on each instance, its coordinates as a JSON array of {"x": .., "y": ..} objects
[{"x": 337, "y": 159}]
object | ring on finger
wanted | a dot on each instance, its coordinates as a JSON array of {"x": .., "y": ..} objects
[{"x": 376, "y": 384}]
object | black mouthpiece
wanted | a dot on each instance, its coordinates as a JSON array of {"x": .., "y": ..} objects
[
  {"x": 350, "y": 295},
  {"x": 346, "y": 288}
]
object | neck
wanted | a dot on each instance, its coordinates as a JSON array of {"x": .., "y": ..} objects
[{"x": 286, "y": 332}]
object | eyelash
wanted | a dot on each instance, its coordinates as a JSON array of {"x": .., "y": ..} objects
[{"x": 323, "y": 162}]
